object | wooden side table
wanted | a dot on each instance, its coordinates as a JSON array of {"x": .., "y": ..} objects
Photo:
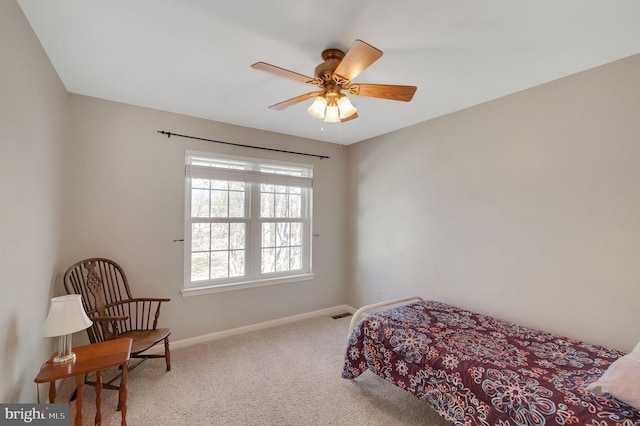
[{"x": 90, "y": 358}]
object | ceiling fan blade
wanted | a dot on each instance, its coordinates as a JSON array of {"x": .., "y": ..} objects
[
  {"x": 356, "y": 60},
  {"x": 384, "y": 91},
  {"x": 263, "y": 66},
  {"x": 351, "y": 117},
  {"x": 284, "y": 104}
]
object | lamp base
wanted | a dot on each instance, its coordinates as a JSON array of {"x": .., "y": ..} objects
[
  {"x": 65, "y": 354},
  {"x": 71, "y": 357}
]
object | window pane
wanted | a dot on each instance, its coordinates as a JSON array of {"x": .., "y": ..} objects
[
  {"x": 200, "y": 183},
  {"x": 295, "y": 236},
  {"x": 295, "y": 261},
  {"x": 268, "y": 260},
  {"x": 219, "y": 236},
  {"x": 200, "y": 236},
  {"x": 265, "y": 187},
  {"x": 219, "y": 264},
  {"x": 199, "y": 203},
  {"x": 268, "y": 234},
  {"x": 282, "y": 259},
  {"x": 199, "y": 266},
  {"x": 236, "y": 204},
  {"x": 236, "y": 263},
  {"x": 295, "y": 206},
  {"x": 220, "y": 184},
  {"x": 219, "y": 204},
  {"x": 282, "y": 207},
  {"x": 281, "y": 189},
  {"x": 236, "y": 186},
  {"x": 282, "y": 234},
  {"x": 266, "y": 205},
  {"x": 237, "y": 236}
]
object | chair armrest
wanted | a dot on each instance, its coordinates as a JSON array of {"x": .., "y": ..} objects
[
  {"x": 142, "y": 313},
  {"x": 106, "y": 327}
]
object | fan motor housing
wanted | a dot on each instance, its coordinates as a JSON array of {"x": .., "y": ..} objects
[{"x": 332, "y": 58}]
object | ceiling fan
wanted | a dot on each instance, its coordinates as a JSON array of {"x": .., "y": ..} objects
[{"x": 333, "y": 76}]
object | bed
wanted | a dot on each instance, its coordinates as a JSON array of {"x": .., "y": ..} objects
[{"x": 476, "y": 370}]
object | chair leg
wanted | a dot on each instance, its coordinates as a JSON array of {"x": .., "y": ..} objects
[{"x": 167, "y": 353}]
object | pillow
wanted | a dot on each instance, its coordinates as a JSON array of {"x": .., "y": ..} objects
[{"x": 622, "y": 379}]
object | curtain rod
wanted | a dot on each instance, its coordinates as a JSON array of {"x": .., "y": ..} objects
[{"x": 169, "y": 134}]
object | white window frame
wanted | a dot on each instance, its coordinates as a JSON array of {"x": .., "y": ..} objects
[{"x": 253, "y": 174}]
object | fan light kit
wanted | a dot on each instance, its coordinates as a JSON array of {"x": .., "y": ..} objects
[{"x": 333, "y": 76}]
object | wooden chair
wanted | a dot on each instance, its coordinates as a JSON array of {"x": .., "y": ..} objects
[{"x": 115, "y": 313}]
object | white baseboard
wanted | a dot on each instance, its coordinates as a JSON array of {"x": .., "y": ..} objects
[{"x": 159, "y": 349}]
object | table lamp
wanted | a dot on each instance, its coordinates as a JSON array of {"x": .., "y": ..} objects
[{"x": 66, "y": 316}]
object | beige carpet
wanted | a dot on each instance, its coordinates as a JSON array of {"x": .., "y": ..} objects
[{"x": 286, "y": 375}]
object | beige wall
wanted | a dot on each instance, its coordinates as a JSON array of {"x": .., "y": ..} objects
[
  {"x": 32, "y": 148},
  {"x": 126, "y": 202},
  {"x": 526, "y": 208}
]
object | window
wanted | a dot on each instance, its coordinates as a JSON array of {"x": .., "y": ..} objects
[{"x": 247, "y": 222}]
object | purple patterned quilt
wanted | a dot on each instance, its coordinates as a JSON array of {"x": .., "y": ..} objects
[{"x": 476, "y": 370}]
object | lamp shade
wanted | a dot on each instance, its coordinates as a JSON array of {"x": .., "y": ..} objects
[
  {"x": 333, "y": 115},
  {"x": 346, "y": 107},
  {"x": 317, "y": 107},
  {"x": 66, "y": 316}
]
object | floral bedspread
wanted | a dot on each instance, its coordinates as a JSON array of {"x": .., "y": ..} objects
[{"x": 477, "y": 370}]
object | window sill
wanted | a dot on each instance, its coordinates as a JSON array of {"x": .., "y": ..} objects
[{"x": 207, "y": 289}]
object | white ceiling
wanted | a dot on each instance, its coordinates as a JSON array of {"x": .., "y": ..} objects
[{"x": 193, "y": 57}]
